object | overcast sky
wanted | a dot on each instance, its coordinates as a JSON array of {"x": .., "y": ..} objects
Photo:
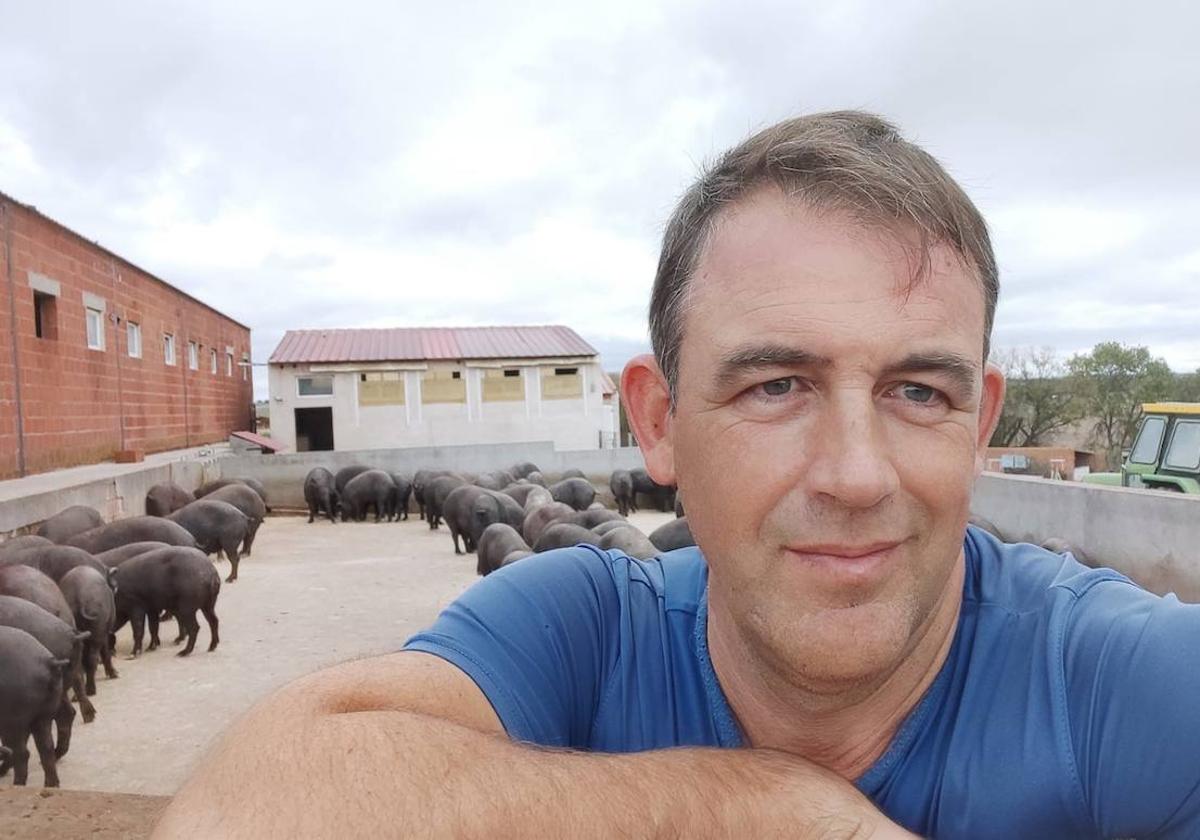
[{"x": 399, "y": 164}]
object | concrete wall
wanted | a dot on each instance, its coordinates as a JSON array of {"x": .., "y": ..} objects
[
  {"x": 124, "y": 494},
  {"x": 1152, "y": 537},
  {"x": 283, "y": 475},
  {"x": 116, "y": 497},
  {"x": 570, "y": 424},
  {"x": 80, "y": 405}
]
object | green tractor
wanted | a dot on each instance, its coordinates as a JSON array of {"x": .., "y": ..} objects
[{"x": 1165, "y": 453}]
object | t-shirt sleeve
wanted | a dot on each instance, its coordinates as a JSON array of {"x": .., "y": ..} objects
[
  {"x": 532, "y": 636},
  {"x": 1132, "y": 671}
]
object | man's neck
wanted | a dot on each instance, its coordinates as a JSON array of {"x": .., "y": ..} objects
[{"x": 845, "y": 734}]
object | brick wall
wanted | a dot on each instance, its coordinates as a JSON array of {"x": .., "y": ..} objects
[
  {"x": 82, "y": 405},
  {"x": 8, "y": 399}
]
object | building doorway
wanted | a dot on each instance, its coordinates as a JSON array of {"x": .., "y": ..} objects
[{"x": 314, "y": 429}]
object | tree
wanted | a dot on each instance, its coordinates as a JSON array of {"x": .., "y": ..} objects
[
  {"x": 1187, "y": 387},
  {"x": 1111, "y": 383},
  {"x": 1039, "y": 399}
]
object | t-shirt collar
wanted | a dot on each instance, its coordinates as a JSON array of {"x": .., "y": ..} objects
[{"x": 729, "y": 732}]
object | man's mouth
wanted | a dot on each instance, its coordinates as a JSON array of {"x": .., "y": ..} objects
[
  {"x": 848, "y": 552},
  {"x": 852, "y": 562}
]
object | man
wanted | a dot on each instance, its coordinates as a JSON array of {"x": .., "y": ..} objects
[{"x": 845, "y": 659}]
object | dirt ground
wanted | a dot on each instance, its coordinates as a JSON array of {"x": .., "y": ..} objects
[
  {"x": 28, "y": 813},
  {"x": 310, "y": 596}
]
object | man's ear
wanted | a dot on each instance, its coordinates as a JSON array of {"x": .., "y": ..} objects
[
  {"x": 991, "y": 403},
  {"x": 648, "y": 405}
]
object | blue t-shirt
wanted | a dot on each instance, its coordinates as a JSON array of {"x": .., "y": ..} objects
[{"x": 1069, "y": 704}]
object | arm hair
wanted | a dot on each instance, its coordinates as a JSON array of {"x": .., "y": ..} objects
[{"x": 407, "y": 745}]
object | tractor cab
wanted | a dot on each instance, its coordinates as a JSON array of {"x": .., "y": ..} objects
[{"x": 1166, "y": 450}]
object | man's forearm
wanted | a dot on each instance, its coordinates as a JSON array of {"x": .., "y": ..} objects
[{"x": 400, "y": 774}]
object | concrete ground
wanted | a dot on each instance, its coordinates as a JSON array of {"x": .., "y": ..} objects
[{"x": 310, "y": 596}]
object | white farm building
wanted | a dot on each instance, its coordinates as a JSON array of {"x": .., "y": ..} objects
[{"x": 346, "y": 389}]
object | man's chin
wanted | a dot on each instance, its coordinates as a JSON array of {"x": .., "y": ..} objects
[{"x": 835, "y": 650}]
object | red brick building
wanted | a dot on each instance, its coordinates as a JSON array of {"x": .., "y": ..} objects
[{"x": 98, "y": 355}]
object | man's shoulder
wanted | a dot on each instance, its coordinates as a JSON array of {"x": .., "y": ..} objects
[
  {"x": 559, "y": 641},
  {"x": 1078, "y": 611},
  {"x": 1083, "y": 681},
  {"x": 675, "y": 579},
  {"x": 1022, "y": 578}
]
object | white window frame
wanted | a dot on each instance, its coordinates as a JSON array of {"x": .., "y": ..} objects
[
  {"x": 93, "y": 315},
  {"x": 193, "y": 356},
  {"x": 229, "y": 364},
  {"x": 315, "y": 396},
  {"x": 133, "y": 339},
  {"x": 169, "y": 349}
]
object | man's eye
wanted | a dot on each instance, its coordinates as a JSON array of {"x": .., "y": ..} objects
[
  {"x": 777, "y": 387},
  {"x": 918, "y": 393}
]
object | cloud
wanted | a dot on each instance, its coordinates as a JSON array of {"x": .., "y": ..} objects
[{"x": 374, "y": 163}]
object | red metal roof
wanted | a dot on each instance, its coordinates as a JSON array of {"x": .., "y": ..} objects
[
  {"x": 428, "y": 343},
  {"x": 607, "y": 386},
  {"x": 260, "y": 441}
]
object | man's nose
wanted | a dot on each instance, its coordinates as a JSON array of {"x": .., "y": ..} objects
[{"x": 849, "y": 459}]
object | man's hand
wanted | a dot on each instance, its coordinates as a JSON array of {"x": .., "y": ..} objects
[{"x": 407, "y": 745}]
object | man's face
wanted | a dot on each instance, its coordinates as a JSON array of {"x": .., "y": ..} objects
[{"x": 825, "y": 436}]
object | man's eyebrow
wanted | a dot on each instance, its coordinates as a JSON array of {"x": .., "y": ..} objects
[
  {"x": 733, "y": 365},
  {"x": 960, "y": 370}
]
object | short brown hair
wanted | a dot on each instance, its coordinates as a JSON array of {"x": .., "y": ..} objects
[{"x": 847, "y": 161}]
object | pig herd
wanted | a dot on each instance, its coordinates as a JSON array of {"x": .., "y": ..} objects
[
  {"x": 503, "y": 515},
  {"x": 66, "y": 590}
]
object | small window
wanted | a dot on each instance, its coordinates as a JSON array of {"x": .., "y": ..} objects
[
  {"x": 443, "y": 386},
  {"x": 229, "y": 364},
  {"x": 505, "y": 385},
  {"x": 212, "y": 362},
  {"x": 564, "y": 383},
  {"x": 95, "y": 328},
  {"x": 43, "y": 316},
  {"x": 383, "y": 388},
  {"x": 245, "y": 370},
  {"x": 1149, "y": 439},
  {"x": 313, "y": 386},
  {"x": 1184, "y": 451},
  {"x": 169, "y": 349},
  {"x": 193, "y": 356},
  {"x": 133, "y": 339}
]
